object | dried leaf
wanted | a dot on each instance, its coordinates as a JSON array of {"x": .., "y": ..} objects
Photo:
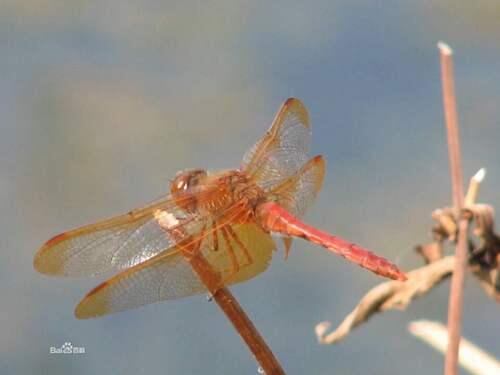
[{"x": 389, "y": 295}]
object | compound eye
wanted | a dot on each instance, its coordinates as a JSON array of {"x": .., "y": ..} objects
[
  {"x": 186, "y": 180},
  {"x": 181, "y": 185}
]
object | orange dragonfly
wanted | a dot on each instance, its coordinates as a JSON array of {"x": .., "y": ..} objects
[{"x": 227, "y": 216}]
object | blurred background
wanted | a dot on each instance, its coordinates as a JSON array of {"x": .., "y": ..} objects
[{"x": 102, "y": 102}]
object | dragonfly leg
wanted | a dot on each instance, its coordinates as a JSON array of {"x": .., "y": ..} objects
[
  {"x": 215, "y": 239},
  {"x": 190, "y": 248},
  {"x": 248, "y": 256},
  {"x": 235, "y": 267}
]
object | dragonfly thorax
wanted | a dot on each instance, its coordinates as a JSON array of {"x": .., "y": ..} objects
[{"x": 197, "y": 191}]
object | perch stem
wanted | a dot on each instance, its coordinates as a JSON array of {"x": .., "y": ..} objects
[
  {"x": 237, "y": 316},
  {"x": 228, "y": 304}
]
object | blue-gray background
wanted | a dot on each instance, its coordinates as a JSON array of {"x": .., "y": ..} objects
[{"x": 102, "y": 102}]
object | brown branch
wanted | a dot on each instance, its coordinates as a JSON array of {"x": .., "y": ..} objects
[
  {"x": 457, "y": 282},
  {"x": 236, "y": 315},
  {"x": 222, "y": 296},
  {"x": 389, "y": 295},
  {"x": 450, "y": 114}
]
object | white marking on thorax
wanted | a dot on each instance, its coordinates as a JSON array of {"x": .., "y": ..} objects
[{"x": 165, "y": 219}]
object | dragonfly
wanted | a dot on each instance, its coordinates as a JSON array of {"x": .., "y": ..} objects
[{"x": 232, "y": 218}]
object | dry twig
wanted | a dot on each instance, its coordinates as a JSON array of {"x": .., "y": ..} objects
[
  {"x": 389, "y": 295},
  {"x": 484, "y": 259},
  {"x": 480, "y": 255},
  {"x": 453, "y": 137}
]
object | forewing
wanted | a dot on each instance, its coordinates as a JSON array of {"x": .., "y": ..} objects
[
  {"x": 110, "y": 245},
  {"x": 282, "y": 151}
]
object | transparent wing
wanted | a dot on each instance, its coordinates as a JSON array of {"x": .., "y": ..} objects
[
  {"x": 282, "y": 151},
  {"x": 252, "y": 248},
  {"x": 170, "y": 276},
  {"x": 114, "y": 244},
  {"x": 297, "y": 192},
  {"x": 166, "y": 276}
]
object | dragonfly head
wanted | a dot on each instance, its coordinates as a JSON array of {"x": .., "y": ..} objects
[{"x": 186, "y": 179}]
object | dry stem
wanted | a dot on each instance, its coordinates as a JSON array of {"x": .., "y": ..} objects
[
  {"x": 484, "y": 263},
  {"x": 226, "y": 301},
  {"x": 457, "y": 282},
  {"x": 236, "y": 315}
]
